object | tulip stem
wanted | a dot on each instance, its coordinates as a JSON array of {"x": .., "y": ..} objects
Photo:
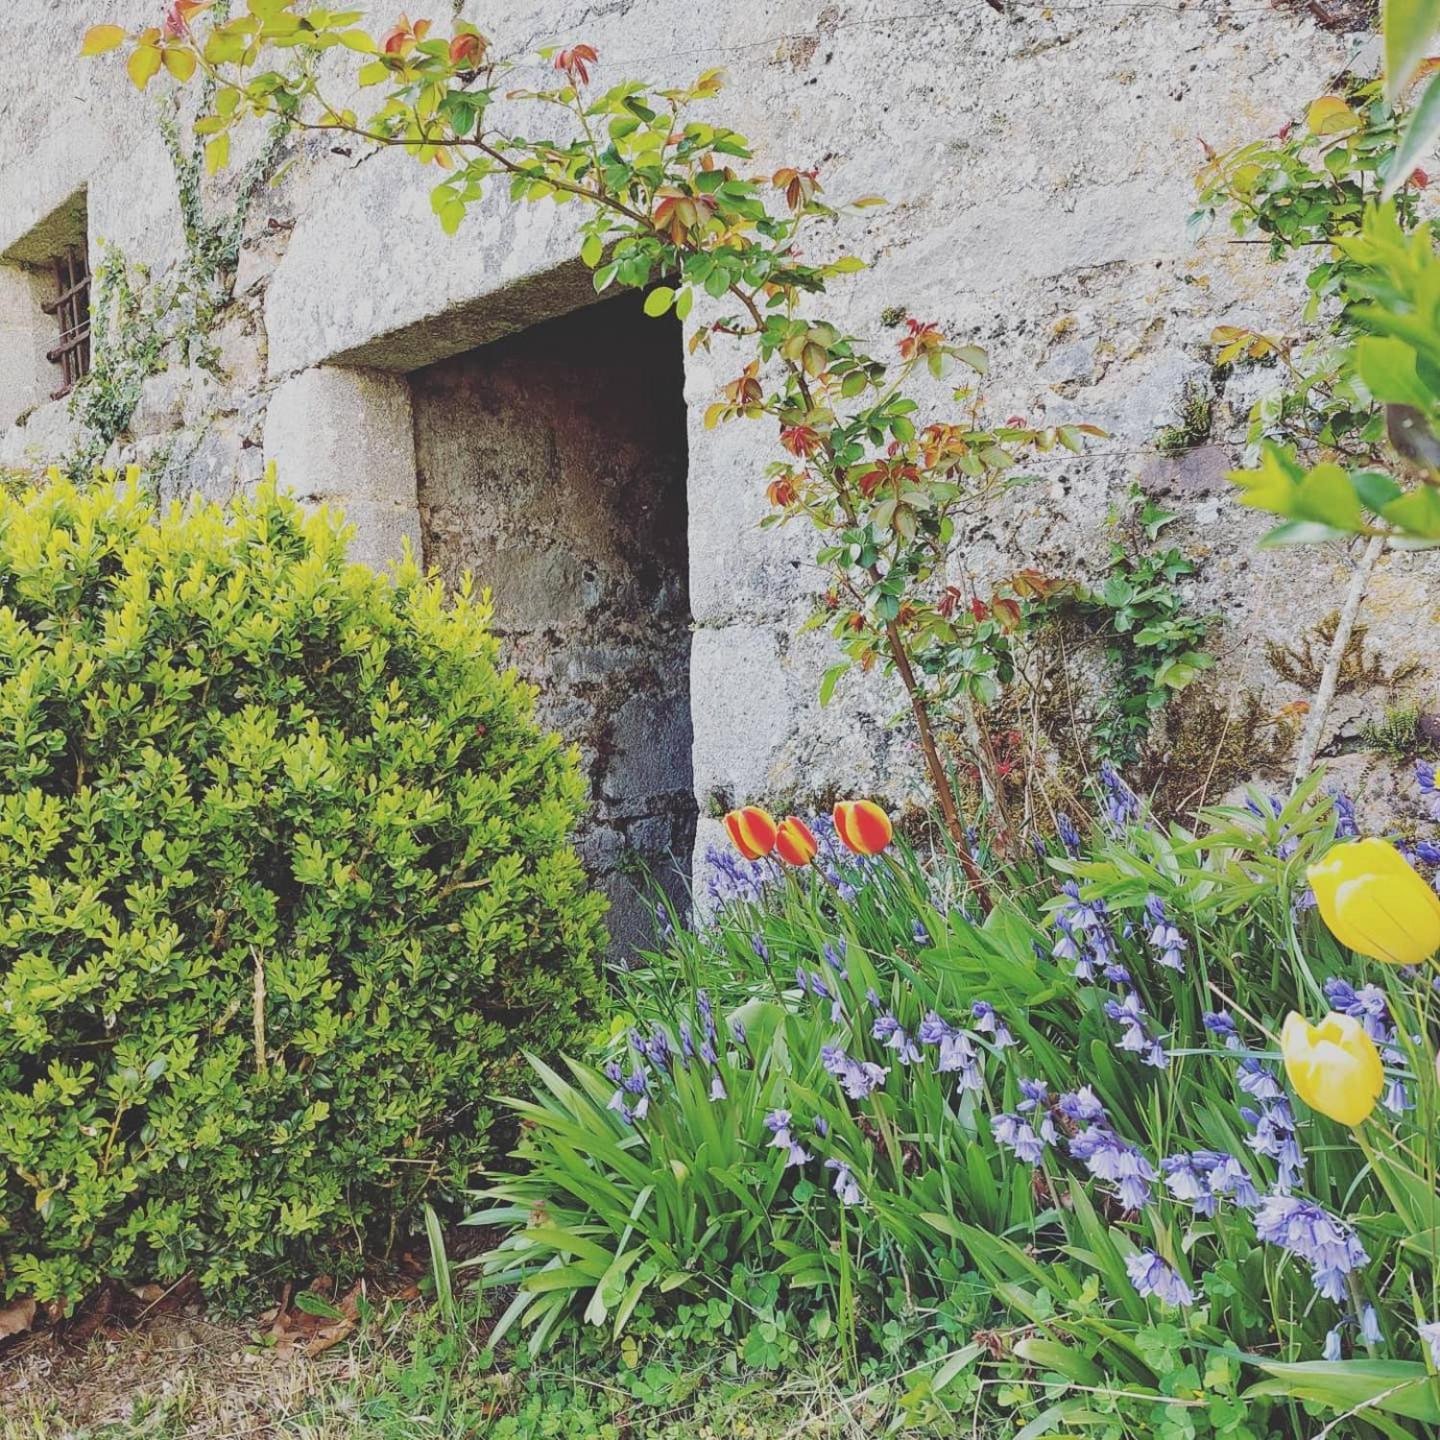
[{"x": 1330, "y": 676}]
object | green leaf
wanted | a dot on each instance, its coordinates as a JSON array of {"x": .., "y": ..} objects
[
  {"x": 592, "y": 250},
  {"x": 659, "y": 300},
  {"x": 1387, "y": 367},
  {"x": 831, "y": 679},
  {"x": 1399, "y": 1387},
  {"x": 1408, "y": 26},
  {"x": 1422, "y": 127}
]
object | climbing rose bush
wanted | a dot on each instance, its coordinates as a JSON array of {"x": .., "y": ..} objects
[{"x": 285, "y": 888}]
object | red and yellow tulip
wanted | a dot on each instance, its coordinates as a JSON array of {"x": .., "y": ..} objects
[
  {"x": 1374, "y": 901},
  {"x": 1334, "y": 1066},
  {"x": 752, "y": 831},
  {"x": 795, "y": 842},
  {"x": 863, "y": 826}
]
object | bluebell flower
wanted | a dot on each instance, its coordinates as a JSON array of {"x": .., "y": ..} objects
[
  {"x": 731, "y": 879},
  {"x": 1121, "y": 804},
  {"x": 1274, "y": 1137},
  {"x": 921, "y": 934},
  {"x": 1037, "y": 846},
  {"x": 845, "y": 1186},
  {"x": 1427, "y": 852},
  {"x": 1370, "y": 1332},
  {"x": 706, "y": 1051},
  {"x": 1204, "y": 1177},
  {"x": 1331, "y": 1349},
  {"x": 761, "y": 949},
  {"x": 663, "y": 923},
  {"x": 822, "y": 1126},
  {"x": 717, "y": 1087},
  {"x": 835, "y": 958},
  {"x": 872, "y": 999},
  {"x": 1035, "y": 1092},
  {"x": 1151, "y": 1276},
  {"x": 1258, "y": 1080},
  {"x": 1017, "y": 1134},
  {"x": 1425, "y": 779},
  {"x": 1069, "y": 835},
  {"x": 1345, "y": 826},
  {"x": 1430, "y": 1334},
  {"x": 1137, "y": 1032},
  {"x": 687, "y": 1041},
  {"x": 614, "y": 1071},
  {"x": 1219, "y": 1023},
  {"x": 707, "y": 1015},
  {"x": 778, "y": 1123},
  {"x": 857, "y": 1077},
  {"x": 1163, "y": 938},
  {"x": 1108, "y": 1157},
  {"x": 737, "y": 1029},
  {"x": 1301, "y": 1227},
  {"x": 890, "y": 1032},
  {"x": 1083, "y": 1107},
  {"x": 987, "y": 1022},
  {"x": 621, "y": 1107},
  {"x": 657, "y": 1048}
]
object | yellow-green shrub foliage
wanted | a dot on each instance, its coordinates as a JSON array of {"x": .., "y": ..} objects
[{"x": 285, "y": 886}]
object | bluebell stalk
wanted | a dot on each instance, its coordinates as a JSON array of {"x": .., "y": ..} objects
[
  {"x": 1425, "y": 779},
  {"x": 888, "y": 1030},
  {"x": 1136, "y": 1030},
  {"x": 1121, "y": 804},
  {"x": 1108, "y": 1157},
  {"x": 1069, "y": 835},
  {"x": 857, "y": 1077},
  {"x": 1301, "y": 1227},
  {"x": 1164, "y": 939},
  {"x": 778, "y": 1123}
]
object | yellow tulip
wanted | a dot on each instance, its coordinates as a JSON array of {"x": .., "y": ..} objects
[
  {"x": 1334, "y": 1066},
  {"x": 1375, "y": 902}
]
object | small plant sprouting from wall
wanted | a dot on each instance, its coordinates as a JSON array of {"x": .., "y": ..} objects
[
  {"x": 1192, "y": 427},
  {"x": 1303, "y": 663},
  {"x": 1396, "y": 734}
]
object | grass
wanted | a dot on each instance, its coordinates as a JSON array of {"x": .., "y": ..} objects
[{"x": 409, "y": 1375}]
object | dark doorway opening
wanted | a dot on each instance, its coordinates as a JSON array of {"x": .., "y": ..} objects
[{"x": 552, "y": 465}]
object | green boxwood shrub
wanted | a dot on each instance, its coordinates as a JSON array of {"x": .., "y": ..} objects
[{"x": 285, "y": 888}]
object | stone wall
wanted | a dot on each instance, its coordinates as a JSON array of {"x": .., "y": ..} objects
[
  {"x": 1039, "y": 165},
  {"x": 551, "y": 466}
]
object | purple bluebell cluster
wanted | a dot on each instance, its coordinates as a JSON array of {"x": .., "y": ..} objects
[
  {"x": 1162, "y": 937},
  {"x": 987, "y": 1022},
  {"x": 1029, "y": 1128},
  {"x": 1069, "y": 835},
  {"x": 1108, "y": 1157},
  {"x": 1217, "y": 1022},
  {"x": 1086, "y": 941},
  {"x": 890, "y": 1033},
  {"x": 956, "y": 1053},
  {"x": 1202, "y": 1178},
  {"x": 1346, "y": 827},
  {"x": 730, "y": 879},
  {"x": 1152, "y": 1277},
  {"x": 858, "y": 1078},
  {"x": 777, "y": 1122},
  {"x": 1429, "y": 792},
  {"x": 1137, "y": 1030},
  {"x": 1309, "y": 1232},
  {"x": 1122, "y": 805}
]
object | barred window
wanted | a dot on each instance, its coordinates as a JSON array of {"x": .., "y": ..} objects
[{"x": 71, "y": 306}]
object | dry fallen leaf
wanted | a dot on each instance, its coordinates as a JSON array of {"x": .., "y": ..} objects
[{"x": 17, "y": 1318}]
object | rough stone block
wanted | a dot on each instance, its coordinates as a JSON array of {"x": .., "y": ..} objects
[{"x": 343, "y": 434}]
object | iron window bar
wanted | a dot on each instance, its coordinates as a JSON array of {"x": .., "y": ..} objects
[{"x": 72, "y": 307}]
